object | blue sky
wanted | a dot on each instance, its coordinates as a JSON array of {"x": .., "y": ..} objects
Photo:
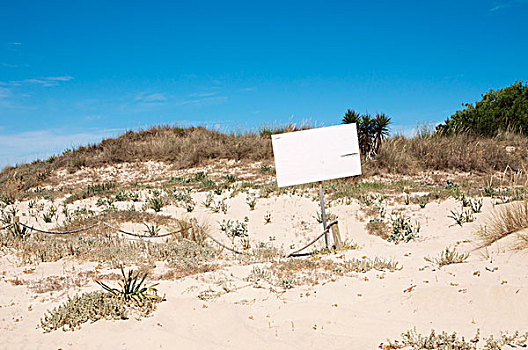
[{"x": 73, "y": 72}]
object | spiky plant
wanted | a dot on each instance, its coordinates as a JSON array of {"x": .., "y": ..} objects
[
  {"x": 371, "y": 130},
  {"x": 152, "y": 230},
  {"x": 132, "y": 288},
  {"x": 19, "y": 231},
  {"x": 351, "y": 116},
  {"x": 381, "y": 129}
]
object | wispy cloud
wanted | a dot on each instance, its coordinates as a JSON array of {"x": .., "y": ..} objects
[
  {"x": 504, "y": 4},
  {"x": 204, "y": 94},
  {"x": 40, "y": 144},
  {"x": 4, "y": 93},
  {"x": 10, "y": 65},
  {"x": 200, "y": 101},
  {"x": 92, "y": 117},
  {"x": 46, "y": 82},
  {"x": 151, "y": 97}
]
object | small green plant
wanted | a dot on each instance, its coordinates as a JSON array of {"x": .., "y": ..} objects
[
  {"x": 189, "y": 207},
  {"x": 236, "y": 229},
  {"x": 218, "y": 190},
  {"x": 489, "y": 190},
  {"x": 156, "y": 203},
  {"x": 450, "y": 185},
  {"x": 209, "y": 200},
  {"x": 8, "y": 198},
  {"x": 286, "y": 283},
  {"x": 466, "y": 202},
  {"x": 50, "y": 214},
  {"x": 462, "y": 217},
  {"x": 267, "y": 218},
  {"x": 476, "y": 205},
  {"x": 403, "y": 230},
  {"x": 229, "y": 178},
  {"x": 329, "y": 217},
  {"x": 200, "y": 176},
  {"x": 448, "y": 256},
  {"x": 251, "y": 202},
  {"x": 220, "y": 206},
  {"x": 18, "y": 231},
  {"x": 121, "y": 196},
  {"x": 152, "y": 230},
  {"x": 265, "y": 169}
]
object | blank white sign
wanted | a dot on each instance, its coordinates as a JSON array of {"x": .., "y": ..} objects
[{"x": 316, "y": 154}]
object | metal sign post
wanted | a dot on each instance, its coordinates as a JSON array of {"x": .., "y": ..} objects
[{"x": 315, "y": 155}]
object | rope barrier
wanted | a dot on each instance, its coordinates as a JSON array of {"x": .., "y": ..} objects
[
  {"x": 218, "y": 242},
  {"x": 140, "y": 236},
  {"x": 59, "y": 233},
  {"x": 315, "y": 240},
  {"x": 169, "y": 234}
]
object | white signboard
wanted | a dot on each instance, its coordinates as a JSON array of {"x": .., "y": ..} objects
[{"x": 316, "y": 154}]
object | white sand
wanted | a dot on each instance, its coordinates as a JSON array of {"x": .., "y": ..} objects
[{"x": 489, "y": 292}]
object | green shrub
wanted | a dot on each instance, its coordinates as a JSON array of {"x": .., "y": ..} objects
[
  {"x": 82, "y": 308},
  {"x": 498, "y": 111}
]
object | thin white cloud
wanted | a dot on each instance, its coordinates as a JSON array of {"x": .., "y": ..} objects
[
  {"x": 5, "y": 93},
  {"x": 500, "y": 5},
  {"x": 204, "y": 94},
  {"x": 151, "y": 97},
  {"x": 61, "y": 78},
  {"x": 46, "y": 81},
  {"x": 200, "y": 101},
  {"x": 92, "y": 117},
  {"x": 9, "y": 65},
  {"x": 41, "y": 144}
]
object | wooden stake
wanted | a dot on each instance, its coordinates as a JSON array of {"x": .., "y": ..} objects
[
  {"x": 323, "y": 213},
  {"x": 337, "y": 237}
]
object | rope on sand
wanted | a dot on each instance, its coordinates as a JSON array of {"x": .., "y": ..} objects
[
  {"x": 328, "y": 226},
  {"x": 140, "y": 236},
  {"x": 56, "y": 232},
  {"x": 218, "y": 242}
]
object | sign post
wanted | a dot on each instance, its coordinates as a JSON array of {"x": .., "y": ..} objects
[{"x": 315, "y": 155}]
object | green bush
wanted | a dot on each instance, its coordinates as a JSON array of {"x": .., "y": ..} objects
[{"x": 498, "y": 111}]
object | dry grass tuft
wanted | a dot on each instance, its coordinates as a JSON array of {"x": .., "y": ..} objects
[
  {"x": 506, "y": 219},
  {"x": 451, "y": 153},
  {"x": 445, "y": 341},
  {"x": 448, "y": 256},
  {"x": 290, "y": 273}
]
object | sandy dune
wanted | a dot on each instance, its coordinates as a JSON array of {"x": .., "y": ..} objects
[{"x": 358, "y": 311}]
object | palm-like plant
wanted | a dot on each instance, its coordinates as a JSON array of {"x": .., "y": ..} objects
[
  {"x": 371, "y": 130},
  {"x": 381, "y": 129},
  {"x": 132, "y": 288},
  {"x": 351, "y": 116}
]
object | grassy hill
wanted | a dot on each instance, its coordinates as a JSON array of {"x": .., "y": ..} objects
[{"x": 190, "y": 147}]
